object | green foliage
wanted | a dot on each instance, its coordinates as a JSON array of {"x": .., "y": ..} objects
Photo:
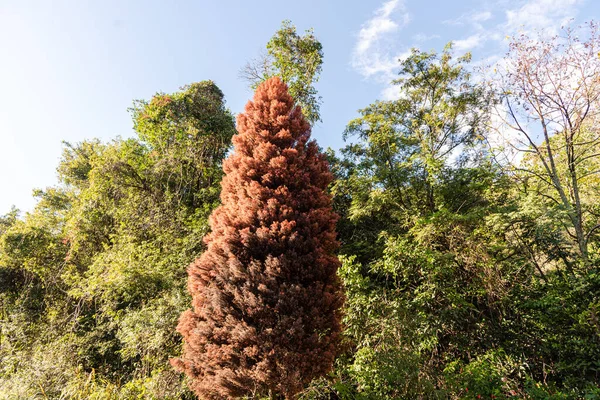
[
  {"x": 404, "y": 146},
  {"x": 541, "y": 201},
  {"x": 453, "y": 288},
  {"x": 95, "y": 275},
  {"x": 298, "y": 61},
  {"x": 464, "y": 279}
]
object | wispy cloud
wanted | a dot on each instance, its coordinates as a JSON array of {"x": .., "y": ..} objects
[
  {"x": 381, "y": 24},
  {"x": 375, "y": 54},
  {"x": 540, "y": 15},
  {"x": 481, "y": 16},
  {"x": 469, "y": 43},
  {"x": 379, "y": 45},
  {"x": 525, "y": 16},
  {"x": 421, "y": 37},
  {"x": 473, "y": 18},
  {"x": 530, "y": 17}
]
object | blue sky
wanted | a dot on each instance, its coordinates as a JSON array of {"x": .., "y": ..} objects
[{"x": 70, "y": 69}]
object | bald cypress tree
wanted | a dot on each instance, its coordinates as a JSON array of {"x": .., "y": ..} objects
[{"x": 266, "y": 297}]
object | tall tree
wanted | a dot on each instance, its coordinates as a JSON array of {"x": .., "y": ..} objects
[
  {"x": 91, "y": 284},
  {"x": 551, "y": 104},
  {"x": 188, "y": 132},
  {"x": 266, "y": 297},
  {"x": 418, "y": 194},
  {"x": 297, "y": 60},
  {"x": 404, "y": 145}
]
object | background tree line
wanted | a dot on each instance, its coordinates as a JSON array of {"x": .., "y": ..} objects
[{"x": 469, "y": 228}]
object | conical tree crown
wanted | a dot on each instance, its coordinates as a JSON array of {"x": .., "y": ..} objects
[{"x": 266, "y": 297}]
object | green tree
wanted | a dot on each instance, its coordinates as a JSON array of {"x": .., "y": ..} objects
[
  {"x": 390, "y": 175},
  {"x": 426, "y": 286},
  {"x": 97, "y": 277},
  {"x": 297, "y": 60}
]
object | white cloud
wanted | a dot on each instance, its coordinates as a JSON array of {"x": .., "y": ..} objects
[
  {"x": 371, "y": 53},
  {"x": 421, "y": 37},
  {"x": 379, "y": 45},
  {"x": 481, "y": 16},
  {"x": 529, "y": 17},
  {"x": 469, "y": 43},
  {"x": 375, "y": 55},
  {"x": 540, "y": 15},
  {"x": 473, "y": 18},
  {"x": 505, "y": 143},
  {"x": 379, "y": 25},
  {"x": 391, "y": 92}
]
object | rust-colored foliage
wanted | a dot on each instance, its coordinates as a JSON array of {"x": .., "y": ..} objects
[{"x": 266, "y": 297}]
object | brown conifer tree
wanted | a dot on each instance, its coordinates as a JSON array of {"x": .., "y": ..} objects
[{"x": 266, "y": 297}]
